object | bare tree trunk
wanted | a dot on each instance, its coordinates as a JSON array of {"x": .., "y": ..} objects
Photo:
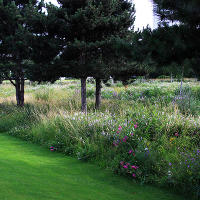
[
  {"x": 181, "y": 88},
  {"x": 98, "y": 93},
  {"x": 83, "y": 95},
  {"x": 22, "y": 90},
  {"x": 19, "y": 86},
  {"x": 171, "y": 78},
  {"x": 182, "y": 77}
]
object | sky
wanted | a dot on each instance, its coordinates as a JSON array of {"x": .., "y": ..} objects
[{"x": 144, "y": 13}]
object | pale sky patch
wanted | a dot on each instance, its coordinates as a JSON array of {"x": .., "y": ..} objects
[
  {"x": 52, "y": 1},
  {"x": 144, "y": 14}
]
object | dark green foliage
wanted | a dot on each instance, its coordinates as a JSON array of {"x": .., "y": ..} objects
[
  {"x": 172, "y": 49},
  {"x": 184, "y": 11},
  {"x": 93, "y": 25},
  {"x": 16, "y": 39},
  {"x": 178, "y": 44}
]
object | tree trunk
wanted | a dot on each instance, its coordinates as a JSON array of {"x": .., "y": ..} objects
[
  {"x": 182, "y": 77},
  {"x": 98, "y": 93},
  {"x": 181, "y": 87},
  {"x": 83, "y": 95},
  {"x": 19, "y": 86},
  {"x": 171, "y": 78}
]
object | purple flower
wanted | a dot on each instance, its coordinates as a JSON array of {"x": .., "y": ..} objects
[{"x": 198, "y": 151}]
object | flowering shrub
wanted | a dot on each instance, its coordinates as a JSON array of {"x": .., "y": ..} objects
[
  {"x": 186, "y": 170},
  {"x": 134, "y": 152}
]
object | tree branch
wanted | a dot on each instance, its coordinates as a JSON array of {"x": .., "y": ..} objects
[{"x": 10, "y": 80}]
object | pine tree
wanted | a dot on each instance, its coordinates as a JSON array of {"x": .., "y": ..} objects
[
  {"x": 172, "y": 49},
  {"x": 183, "y": 11},
  {"x": 15, "y": 42},
  {"x": 47, "y": 44},
  {"x": 185, "y": 37},
  {"x": 92, "y": 26}
]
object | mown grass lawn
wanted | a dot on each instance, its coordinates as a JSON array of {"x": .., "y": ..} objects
[{"x": 31, "y": 172}]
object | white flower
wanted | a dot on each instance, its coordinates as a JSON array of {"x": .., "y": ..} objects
[{"x": 169, "y": 173}]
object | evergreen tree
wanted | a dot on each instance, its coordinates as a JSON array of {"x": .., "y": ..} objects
[
  {"x": 183, "y": 11},
  {"x": 47, "y": 44},
  {"x": 92, "y": 26},
  {"x": 187, "y": 33},
  {"x": 172, "y": 49},
  {"x": 132, "y": 58},
  {"x": 15, "y": 42}
]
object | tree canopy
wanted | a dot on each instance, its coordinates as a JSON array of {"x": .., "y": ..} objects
[
  {"x": 183, "y": 11},
  {"x": 93, "y": 25},
  {"x": 177, "y": 45},
  {"x": 15, "y": 42}
]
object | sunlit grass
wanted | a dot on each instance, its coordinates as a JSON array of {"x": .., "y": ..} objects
[{"x": 32, "y": 172}]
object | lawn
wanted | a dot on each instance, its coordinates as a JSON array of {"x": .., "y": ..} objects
[{"x": 32, "y": 172}]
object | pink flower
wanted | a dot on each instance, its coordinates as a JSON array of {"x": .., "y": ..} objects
[
  {"x": 122, "y": 162},
  {"x": 176, "y": 134},
  {"x": 125, "y": 166},
  {"x": 119, "y": 128},
  {"x": 135, "y": 126},
  {"x": 132, "y": 134},
  {"x": 133, "y": 167},
  {"x": 130, "y": 151},
  {"x": 124, "y": 139},
  {"x": 117, "y": 131},
  {"x": 51, "y": 148},
  {"x": 115, "y": 144},
  {"x": 133, "y": 175},
  {"x": 133, "y": 154}
]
